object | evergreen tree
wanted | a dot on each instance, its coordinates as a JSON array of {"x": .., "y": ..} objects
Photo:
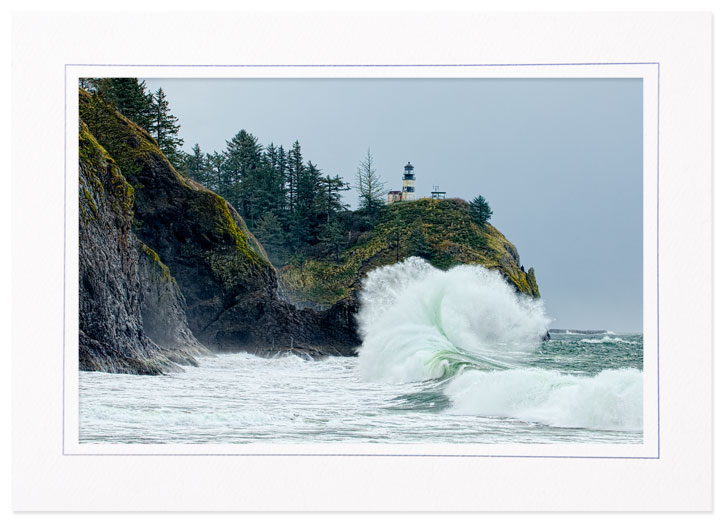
[
  {"x": 129, "y": 96},
  {"x": 269, "y": 156},
  {"x": 370, "y": 187},
  {"x": 294, "y": 167},
  {"x": 270, "y": 234},
  {"x": 300, "y": 231},
  {"x": 271, "y": 181},
  {"x": 331, "y": 195},
  {"x": 196, "y": 166},
  {"x": 480, "y": 210},
  {"x": 306, "y": 212},
  {"x": 215, "y": 163},
  {"x": 332, "y": 238},
  {"x": 281, "y": 162},
  {"x": 284, "y": 212},
  {"x": 242, "y": 157},
  {"x": 164, "y": 128}
]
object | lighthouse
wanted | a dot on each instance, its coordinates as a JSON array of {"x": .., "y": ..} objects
[{"x": 408, "y": 183}]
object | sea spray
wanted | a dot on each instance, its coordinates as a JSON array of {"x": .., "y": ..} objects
[
  {"x": 419, "y": 323},
  {"x": 471, "y": 334}
]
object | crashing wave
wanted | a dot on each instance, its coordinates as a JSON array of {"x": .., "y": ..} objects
[{"x": 468, "y": 329}]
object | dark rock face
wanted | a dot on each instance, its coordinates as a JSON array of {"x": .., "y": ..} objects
[
  {"x": 112, "y": 338},
  {"x": 163, "y": 309},
  {"x": 531, "y": 279},
  {"x": 269, "y": 326}
]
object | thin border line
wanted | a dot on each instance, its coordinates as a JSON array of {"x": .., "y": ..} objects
[
  {"x": 373, "y": 65},
  {"x": 366, "y": 455},
  {"x": 65, "y": 249},
  {"x": 65, "y": 233},
  {"x": 658, "y": 261}
]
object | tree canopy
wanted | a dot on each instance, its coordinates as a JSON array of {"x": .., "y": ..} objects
[
  {"x": 480, "y": 210},
  {"x": 370, "y": 186}
]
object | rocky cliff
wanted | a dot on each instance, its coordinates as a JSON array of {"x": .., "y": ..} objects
[
  {"x": 193, "y": 239},
  {"x": 114, "y": 290}
]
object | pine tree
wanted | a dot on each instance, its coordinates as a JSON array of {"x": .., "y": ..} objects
[
  {"x": 271, "y": 182},
  {"x": 284, "y": 213},
  {"x": 370, "y": 187},
  {"x": 215, "y": 163},
  {"x": 129, "y": 96},
  {"x": 295, "y": 167},
  {"x": 270, "y": 156},
  {"x": 331, "y": 195},
  {"x": 196, "y": 166},
  {"x": 270, "y": 234},
  {"x": 480, "y": 210},
  {"x": 306, "y": 213},
  {"x": 332, "y": 238},
  {"x": 243, "y": 157},
  {"x": 164, "y": 128}
]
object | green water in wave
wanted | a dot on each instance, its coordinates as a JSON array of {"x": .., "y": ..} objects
[{"x": 578, "y": 354}]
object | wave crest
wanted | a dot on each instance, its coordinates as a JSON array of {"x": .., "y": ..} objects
[{"x": 419, "y": 323}]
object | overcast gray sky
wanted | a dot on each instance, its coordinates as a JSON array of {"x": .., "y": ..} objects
[{"x": 559, "y": 160}]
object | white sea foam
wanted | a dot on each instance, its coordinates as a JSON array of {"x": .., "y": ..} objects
[
  {"x": 467, "y": 324},
  {"x": 611, "y": 400}
]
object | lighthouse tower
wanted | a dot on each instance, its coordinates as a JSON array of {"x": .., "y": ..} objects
[{"x": 409, "y": 183}]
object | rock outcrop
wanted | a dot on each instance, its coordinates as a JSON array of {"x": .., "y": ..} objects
[
  {"x": 112, "y": 336},
  {"x": 163, "y": 309}
]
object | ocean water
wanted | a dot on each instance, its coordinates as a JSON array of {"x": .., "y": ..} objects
[{"x": 447, "y": 357}]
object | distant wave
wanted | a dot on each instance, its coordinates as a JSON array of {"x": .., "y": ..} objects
[
  {"x": 571, "y": 331},
  {"x": 609, "y": 340},
  {"x": 467, "y": 330}
]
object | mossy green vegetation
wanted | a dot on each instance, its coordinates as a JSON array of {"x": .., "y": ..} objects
[
  {"x": 215, "y": 214},
  {"x": 125, "y": 141},
  {"x": 96, "y": 164},
  {"x": 231, "y": 251},
  {"x": 441, "y": 231},
  {"x": 170, "y": 209},
  {"x": 93, "y": 160},
  {"x": 164, "y": 271}
]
